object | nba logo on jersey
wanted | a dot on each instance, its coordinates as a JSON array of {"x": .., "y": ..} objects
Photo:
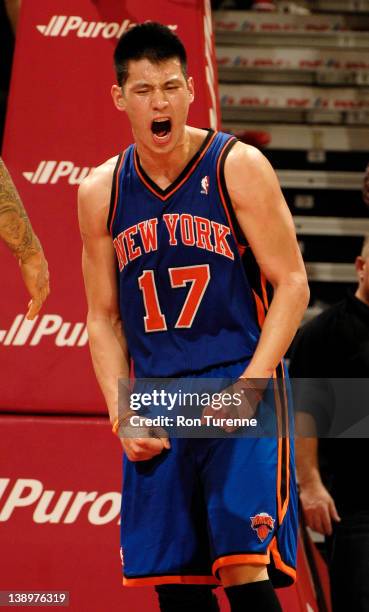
[
  {"x": 263, "y": 524},
  {"x": 205, "y": 185}
]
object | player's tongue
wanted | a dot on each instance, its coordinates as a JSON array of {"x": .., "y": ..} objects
[{"x": 161, "y": 127}]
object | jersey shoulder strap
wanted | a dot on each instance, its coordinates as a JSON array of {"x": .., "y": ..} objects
[
  {"x": 224, "y": 195},
  {"x": 114, "y": 197}
]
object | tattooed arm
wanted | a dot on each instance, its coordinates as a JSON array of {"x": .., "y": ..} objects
[
  {"x": 12, "y": 9},
  {"x": 17, "y": 233}
]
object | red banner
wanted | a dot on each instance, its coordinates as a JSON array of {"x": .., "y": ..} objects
[
  {"x": 61, "y": 122},
  {"x": 60, "y": 483},
  {"x": 59, "y": 512}
]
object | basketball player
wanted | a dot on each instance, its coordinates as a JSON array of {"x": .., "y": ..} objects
[
  {"x": 194, "y": 223},
  {"x": 17, "y": 233}
]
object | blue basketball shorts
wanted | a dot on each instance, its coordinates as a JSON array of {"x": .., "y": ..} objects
[{"x": 208, "y": 503}]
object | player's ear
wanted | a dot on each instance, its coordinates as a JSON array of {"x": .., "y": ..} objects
[
  {"x": 359, "y": 265},
  {"x": 191, "y": 89},
  {"x": 118, "y": 98}
]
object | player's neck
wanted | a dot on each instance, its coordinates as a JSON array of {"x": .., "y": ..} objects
[
  {"x": 164, "y": 168},
  {"x": 362, "y": 296}
]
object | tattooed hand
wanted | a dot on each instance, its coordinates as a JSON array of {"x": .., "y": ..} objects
[
  {"x": 36, "y": 278},
  {"x": 17, "y": 233}
]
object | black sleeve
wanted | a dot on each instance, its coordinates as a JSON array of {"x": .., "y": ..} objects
[{"x": 303, "y": 353}]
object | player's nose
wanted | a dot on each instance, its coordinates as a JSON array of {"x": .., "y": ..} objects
[{"x": 159, "y": 100}]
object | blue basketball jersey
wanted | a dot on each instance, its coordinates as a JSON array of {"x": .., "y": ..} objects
[
  {"x": 192, "y": 302},
  {"x": 191, "y": 295}
]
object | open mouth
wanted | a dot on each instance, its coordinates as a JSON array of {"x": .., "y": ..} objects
[{"x": 161, "y": 127}]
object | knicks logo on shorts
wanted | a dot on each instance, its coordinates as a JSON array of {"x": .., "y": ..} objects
[{"x": 263, "y": 524}]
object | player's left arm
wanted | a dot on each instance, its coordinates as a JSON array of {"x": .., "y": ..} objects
[{"x": 267, "y": 224}]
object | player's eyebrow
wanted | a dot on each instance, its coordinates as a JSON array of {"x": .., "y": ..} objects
[
  {"x": 172, "y": 80},
  {"x": 139, "y": 84}
]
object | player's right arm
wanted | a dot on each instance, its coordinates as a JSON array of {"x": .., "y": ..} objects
[{"x": 107, "y": 341}]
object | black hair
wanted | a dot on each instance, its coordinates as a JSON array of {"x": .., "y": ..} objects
[{"x": 150, "y": 40}]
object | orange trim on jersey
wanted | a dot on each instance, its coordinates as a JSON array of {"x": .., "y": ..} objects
[
  {"x": 281, "y": 565},
  {"x": 116, "y": 191},
  {"x": 222, "y": 198},
  {"x": 282, "y": 505},
  {"x": 285, "y": 403},
  {"x": 264, "y": 291},
  {"x": 248, "y": 559},
  {"x": 153, "y": 580},
  {"x": 190, "y": 171},
  {"x": 132, "y": 374},
  {"x": 259, "y": 309},
  {"x": 285, "y": 396},
  {"x": 261, "y": 303},
  {"x": 279, "y": 452}
]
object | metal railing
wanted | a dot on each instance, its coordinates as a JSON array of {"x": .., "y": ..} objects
[
  {"x": 331, "y": 272},
  {"x": 331, "y": 226},
  {"x": 307, "y": 137},
  {"x": 318, "y": 179}
]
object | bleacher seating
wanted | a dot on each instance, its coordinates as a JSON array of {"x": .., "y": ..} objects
[{"x": 299, "y": 85}]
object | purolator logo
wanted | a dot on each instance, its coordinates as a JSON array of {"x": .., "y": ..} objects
[
  {"x": 50, "y": 506},
  {"x": 23, "y": 332},
  {"x": 63, "y": 25},
  {"x": 50, "y": 172}
]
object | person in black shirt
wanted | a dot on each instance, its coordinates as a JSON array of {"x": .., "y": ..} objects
[{"x": 332, "y": 351}]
